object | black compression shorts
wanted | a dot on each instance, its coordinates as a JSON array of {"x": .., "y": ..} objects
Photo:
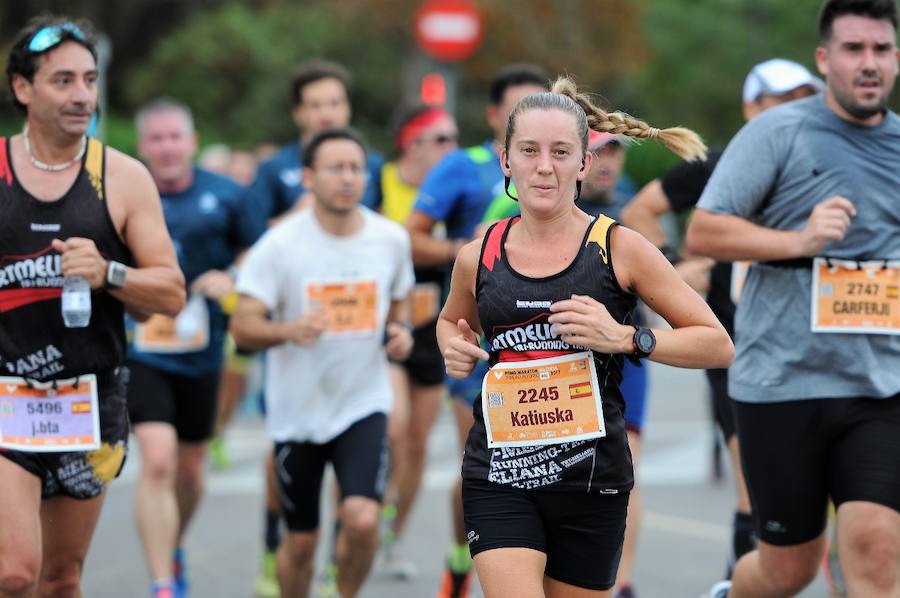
[
  {"x": 188, "y": 403},
  {"x": 796, "y": 454},
  {"x": 721, "y": 403},
  {"x": 581, "y": 533},
  {"x": 425, "y": 365},
  {"x": 360, "y": 459}
]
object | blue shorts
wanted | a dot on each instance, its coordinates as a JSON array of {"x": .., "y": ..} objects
[
  {"x": 634, "y": 391},
  {"x": 469, "y": 389}
]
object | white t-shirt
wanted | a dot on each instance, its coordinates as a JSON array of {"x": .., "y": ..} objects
[{"x": 315, "y": 393}]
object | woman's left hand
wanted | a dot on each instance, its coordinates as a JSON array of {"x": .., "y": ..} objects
[{"x": 584, "y": 321}]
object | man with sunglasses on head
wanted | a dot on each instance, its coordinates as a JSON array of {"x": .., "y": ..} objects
[{"x": 69, "y": 208}]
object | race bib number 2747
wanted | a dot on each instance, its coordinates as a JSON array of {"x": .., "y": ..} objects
[{"x": 853, "y": 297}]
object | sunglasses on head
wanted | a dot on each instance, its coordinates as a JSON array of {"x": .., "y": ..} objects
[{"x": 51, "y": 35}]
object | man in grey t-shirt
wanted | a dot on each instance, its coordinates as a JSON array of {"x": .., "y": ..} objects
[{"x": 818, "y": 412}]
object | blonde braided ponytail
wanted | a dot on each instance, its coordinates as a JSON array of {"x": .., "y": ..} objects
[{"x": 680, "y": 140}]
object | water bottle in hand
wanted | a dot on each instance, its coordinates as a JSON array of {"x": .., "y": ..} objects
[
  {"x": 189, "y": 322},
  {"x": 76, "y": 302}
]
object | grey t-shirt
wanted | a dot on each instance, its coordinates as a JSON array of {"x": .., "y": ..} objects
[{"x": 773, "y": 173}]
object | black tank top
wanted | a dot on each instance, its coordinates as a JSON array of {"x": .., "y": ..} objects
[
  {"x": 513, "y": 310},
  {"x": 34, "y": 342}
]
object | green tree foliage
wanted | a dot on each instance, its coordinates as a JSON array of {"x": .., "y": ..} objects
[
  {"x": 232, "y": 66},
  {"x": 701, "y": 51}
]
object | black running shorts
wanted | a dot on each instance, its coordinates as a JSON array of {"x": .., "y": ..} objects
[
  {"x": 86, "y": 474},
  {"x": 425, "y": 365},
  {"x": 798, "y": 453},
  {"x": 186, "y": 402},
  {"x": 360, "y": 460},
  {"x": 722, "y": 410},
  {"x": 581, "y": 533}
]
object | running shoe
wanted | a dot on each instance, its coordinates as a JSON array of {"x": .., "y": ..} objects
[
  {"x": 395, "y": 566},
  {"x": 720, "y": 590},
  {"x": 162, "y": 590},
  {"x": 218, "y": 453},
  {"x": 266, "y": 583},
  {"x": 328, "y": 587},
  {"x": 455, "y": 585},
  {"x": 386, "y": 524},
  {"x": 179, "y": 574}
]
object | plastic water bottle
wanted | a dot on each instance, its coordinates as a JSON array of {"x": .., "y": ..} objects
[
  {"x": 191, "y": 319},
  {"x": 76, "y": 302}
]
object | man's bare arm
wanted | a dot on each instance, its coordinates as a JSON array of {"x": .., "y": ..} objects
[
  {"x": 156, "y": 283},
  {"x": 726, "y": 237},
  {"x": 426, "y": 250}
]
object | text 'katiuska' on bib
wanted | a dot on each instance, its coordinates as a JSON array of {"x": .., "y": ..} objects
[{"x": 543, "y": 401}]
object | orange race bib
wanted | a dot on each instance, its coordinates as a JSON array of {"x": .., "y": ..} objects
[
  {"x": 49, "y": 417},
  {"x": 425, "y": 300},
  {"x": 544, "y": 401},
  {"x": 856, "y": 297},
  {"x": 162, "y": 334},
  {"x": 351, "y": 307}
]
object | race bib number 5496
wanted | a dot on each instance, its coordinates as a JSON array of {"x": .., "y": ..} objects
[
  {"x": 48, "y": 417},
  {"x": 544, "y": 401}
]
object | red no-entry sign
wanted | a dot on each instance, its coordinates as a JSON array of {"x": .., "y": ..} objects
[{"x": 449, "y": 30}]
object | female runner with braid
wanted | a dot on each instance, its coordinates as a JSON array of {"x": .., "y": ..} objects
[{"x": 547, "y": 470}]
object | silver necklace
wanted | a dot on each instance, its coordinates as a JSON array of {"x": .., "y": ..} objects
[{"x": 52, "y": 167}]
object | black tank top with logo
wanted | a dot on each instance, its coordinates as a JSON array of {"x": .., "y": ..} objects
[
  {"x": 513, "y": 310},
  {"x": 34, "y": 342}
]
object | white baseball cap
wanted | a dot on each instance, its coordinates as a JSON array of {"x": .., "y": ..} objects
[{"x": 778, "y": 76}]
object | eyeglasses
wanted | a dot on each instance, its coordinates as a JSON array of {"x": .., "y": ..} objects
[
  {"x": 51, "y": 35},
  {"x": 339, "y": 169},
  {"x": 442, "y": 139}
]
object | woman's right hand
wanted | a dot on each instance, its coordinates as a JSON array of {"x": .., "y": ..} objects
[{"x": 463, "y": 352}]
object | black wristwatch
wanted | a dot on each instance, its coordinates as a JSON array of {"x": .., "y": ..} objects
[
  {"x": 115, "y": 275},
  {"x": 644, "y": 342}
]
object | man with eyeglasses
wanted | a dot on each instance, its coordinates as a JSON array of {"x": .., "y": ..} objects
[
  {"x": 325, "y": 292},
  {"x": 320, "y": 100},
  {"x": 70, "y": 207},
  {"x": 423, "y": 135}
]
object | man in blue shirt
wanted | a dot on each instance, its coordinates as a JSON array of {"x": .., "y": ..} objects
[
  {"x": 320, "y": 99},
  {"x": 176, "y": 363},
  {"x": 457, "y": 192}
]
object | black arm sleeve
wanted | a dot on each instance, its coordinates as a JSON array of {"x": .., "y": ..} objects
[{"x": 684, "y": 184}]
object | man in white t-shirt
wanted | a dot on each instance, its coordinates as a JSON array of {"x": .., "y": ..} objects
[{"x": 325, "y": 292}]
